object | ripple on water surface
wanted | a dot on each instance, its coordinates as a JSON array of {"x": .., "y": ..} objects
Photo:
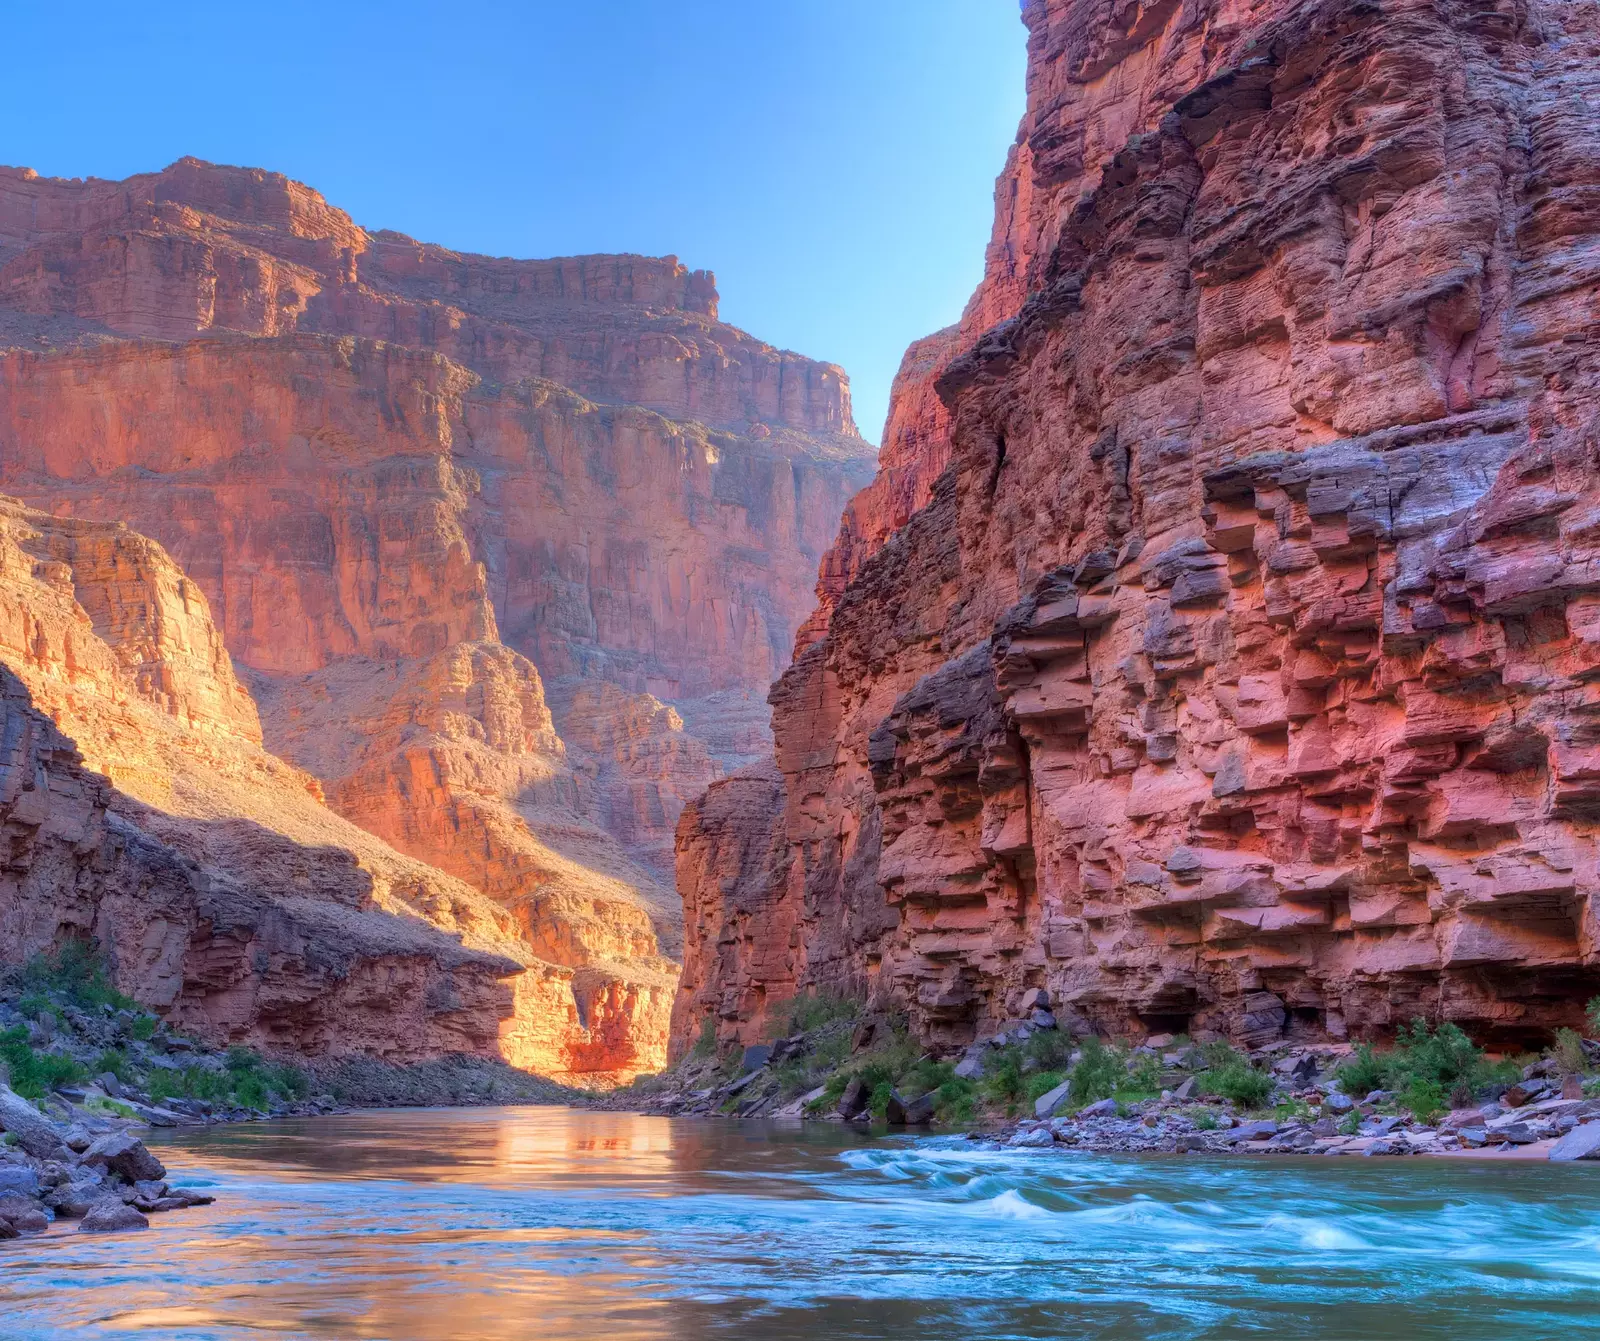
[{"x": 549, "y": 1222}]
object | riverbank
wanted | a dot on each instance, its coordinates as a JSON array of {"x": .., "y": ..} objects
[
  {"x": 85, "y": 1075},
  {"x": 1033, "y": 1085}
]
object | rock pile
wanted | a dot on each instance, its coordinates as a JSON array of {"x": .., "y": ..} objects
[{"x": 82, "y": 1165}]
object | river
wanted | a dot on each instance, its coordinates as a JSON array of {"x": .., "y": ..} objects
[{"x": 555, "y": 1223}]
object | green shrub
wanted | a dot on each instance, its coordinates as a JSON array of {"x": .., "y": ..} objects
[
  {"x": 1144, "y": 1076},
  {"x": 1424, "y": 1098},
  {"x": 34, "y": 1074},
  {"x": 1041, "y": 1083},
  {"x": 1204, "y": 1120},
  {"x": 706, "y": 1044},
  {"x": 1569, "y": 1054},
  {"x": 956, "y": 1100},
  {"x": 1443, "y": 1055},
  {"x": 1444, "y": 1058},
  {"x": 1100, "y": 1070},
  {"x": 247, "y": 1080},
  {"x": 75, "y": 971},
  {"x": 816, "y": 1009},
  {"x": 1592, "y": 1010},
  {"x": 1232, "y": 1077},
  {"x": 1363, "y": 1073},
  {"x": 1050, "y": 1048},
  {"x": 1350, "y": 1124},
  {"x": 144, "y": 1028},
  {"x": 878, "y": 1100},
  {"x": 115, "y": 1061},
  {"x": 1003, "y": 1081}
]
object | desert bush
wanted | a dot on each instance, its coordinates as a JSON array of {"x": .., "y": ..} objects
[
  {"x": 1424, "y": 1067},
  {"x": 1425, "y": 1099},
  {"x": 1230, "y": 1076},
  {"x": 1363, "y": 1073},
  {"x": 33, "y": 1074},
  {"x": 814, "y": 1010},
  {"x": 1098, "y": 1074},
  {"x": 73, "y": 971},
  {"x": 1050, "y": 1048},
  {"x": 1568, "y": 1053},
  {"x": 706, "y": 1043}
]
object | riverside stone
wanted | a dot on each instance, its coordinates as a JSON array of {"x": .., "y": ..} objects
[
  {"x": 1582, "y": 1142},
  {"x": 125, "y": 1155},
  {"x": 1046, "y": 1104},
  {"x": 110, "y": 1216}
]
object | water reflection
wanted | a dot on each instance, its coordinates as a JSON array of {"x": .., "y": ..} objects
[{"x": 556, "y": 1224}]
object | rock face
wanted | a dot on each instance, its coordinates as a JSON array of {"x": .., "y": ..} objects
[
  {"x": 415, "y": 489},
  {"x": 1236, "y": 672},
  {"x": 223, "y": 893}
]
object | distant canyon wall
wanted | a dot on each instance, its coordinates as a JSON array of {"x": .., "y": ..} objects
[{"x": 427, "y": 496}]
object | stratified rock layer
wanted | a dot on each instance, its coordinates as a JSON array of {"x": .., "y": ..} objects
[
  {"x": 403, "y": 478},
  {"x": 221, "y": 891},
  {"x": 1237, "y": 673}
]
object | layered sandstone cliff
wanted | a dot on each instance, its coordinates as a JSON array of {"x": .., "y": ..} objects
[
  {"x": 223, "y": 893},
  {"x": 1236, "y": 672},
  {"x": 418, "y": 489}
]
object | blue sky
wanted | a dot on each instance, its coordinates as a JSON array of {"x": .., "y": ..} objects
[{"x": 832, "y": 160}]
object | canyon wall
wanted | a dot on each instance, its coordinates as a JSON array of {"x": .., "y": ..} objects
[
  {"x": 421, "y": 490},
  {"x": 223, "y": 893},
  {"x": 1234, "y": 670}
]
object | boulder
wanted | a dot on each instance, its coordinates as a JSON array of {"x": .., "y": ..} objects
[
  {"x": 919, "y": 1111},
  {"x": 109, "y": 1216},
  {"x": 35, "y": 1133},
  {"x": 1037, "y": 1139},
  {"x": 1579, "y": 1143},
  {"x": 124, "y": 1155},
  {"x": 854, "y": 1099},
  {"x": 18, "y": 1180},
  {"x": 23, "y": 1215},
  {"x": 894, "y": 1112},
  {"x": 969, "y": 1068},
  {"x": 1338, "y": 1104},
  {"x": 1526, "y": 1091},
  {"x": 755, "y": 1057},
  {"x": 1104, "y": 1108},
  {"x": 1046, "y": 1104},
  {"x": 1035, "y": 998}
]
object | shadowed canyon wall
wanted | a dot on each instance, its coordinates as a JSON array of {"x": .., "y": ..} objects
[
  {"x": 418, "y": 491},
  {"x": 1216, "y": 647}
]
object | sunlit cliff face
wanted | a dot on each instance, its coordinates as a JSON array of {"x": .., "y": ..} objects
[{"x": 416, "y": 493}]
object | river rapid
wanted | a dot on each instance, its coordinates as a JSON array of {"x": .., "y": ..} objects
[{"x": 557, "y": 1223}]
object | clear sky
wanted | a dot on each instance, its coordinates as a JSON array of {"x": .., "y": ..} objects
[{"x": 832, "y": 160}]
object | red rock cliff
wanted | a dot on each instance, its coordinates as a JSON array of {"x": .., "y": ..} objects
[
  {"x": 1237, "y": 672},
  {"x": 415, "y": 487}
]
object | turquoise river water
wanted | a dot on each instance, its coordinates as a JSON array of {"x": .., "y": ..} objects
[{"x": 552, "y": 1223}]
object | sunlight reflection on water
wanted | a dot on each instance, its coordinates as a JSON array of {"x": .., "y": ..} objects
[{"x": 549, "y": 1222}]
